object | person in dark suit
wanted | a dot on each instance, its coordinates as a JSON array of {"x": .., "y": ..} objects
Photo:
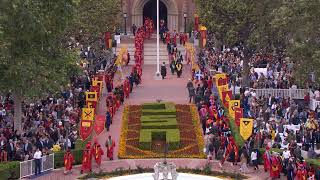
[
  {"x": 163, "y": 70},
  {"x": 11, "y": 149},
  {"x": 48, "y": 143},
  {"x": 27, "y": 148},
  {"x": 40, "y": 144}
]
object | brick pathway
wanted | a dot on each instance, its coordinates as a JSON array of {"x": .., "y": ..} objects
[{"x": 170, "y": 89}]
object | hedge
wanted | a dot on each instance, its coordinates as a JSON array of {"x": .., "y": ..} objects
[
  {"x": 147, "y": 112},
  {"x": 172, "y": 137},
  {"x": 10, "y": 170},
  {"x": 159, "y": 123},
  {"x": 154, "y": 106}
]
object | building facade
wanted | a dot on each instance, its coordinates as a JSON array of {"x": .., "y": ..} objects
[{"x": 176, "y": 13}]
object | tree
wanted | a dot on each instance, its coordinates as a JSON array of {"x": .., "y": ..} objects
[
  {"x": 299, "y": 21},
  {"x": 243, "y": 22},
  {"x": 33, "y": 62},
  {"x": 93, "y": 18}
]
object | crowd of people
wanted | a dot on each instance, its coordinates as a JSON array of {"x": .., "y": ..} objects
[{"x": 280, "y": 123}]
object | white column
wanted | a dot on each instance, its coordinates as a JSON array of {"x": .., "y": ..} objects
[{"x": 158, "y": 63}]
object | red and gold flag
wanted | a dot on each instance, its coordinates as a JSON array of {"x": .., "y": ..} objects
[
  {"x": 232, "y": 105},
  {"x": 226, "y": 97},
  {"x": 85, "y": 129},
  {"x": 99, "y": 124},
  {"x": 238, "y": 113}
]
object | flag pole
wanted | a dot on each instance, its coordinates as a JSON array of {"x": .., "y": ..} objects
[{"x": 158, "y": 46}]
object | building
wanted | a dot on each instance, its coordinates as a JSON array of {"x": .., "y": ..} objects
[{"x": 176, "y": 13}]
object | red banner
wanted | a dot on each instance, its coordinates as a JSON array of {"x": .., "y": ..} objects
[
  {"x": 226, "y": 97},
  {"x": 238, "y": 114},
  {"x": 99, "y": 124},
  {"x": 222, "y": 81},
  {"x": 95, "y": 89},
  {"x": 196, "y": 23},
  {"x": 85, "y": 129},
  {"x": 107, "y": 37}
]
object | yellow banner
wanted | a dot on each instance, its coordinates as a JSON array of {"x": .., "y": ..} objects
[
  {"x": 232, "y": 105},
  {"x": 246, "y": 127},
  {"x": 87, "y": 114},
  {"x": 92, "y": 96}
]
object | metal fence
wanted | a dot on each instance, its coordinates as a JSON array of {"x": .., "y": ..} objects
[
  {"x": 285, "y": 93},
  {"x": 27, "y": 168}
]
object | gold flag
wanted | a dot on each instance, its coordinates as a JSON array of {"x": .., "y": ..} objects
[
  {"x": 246, "y": 127},
  {"x": 92, "y": 96},
  {"x": 232, "y": 105},
  {"x": 87, "y": 114}
]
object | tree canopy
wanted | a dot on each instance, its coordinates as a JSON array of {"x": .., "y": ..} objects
[
  {"x": 94, "y": 17},
  {"x": 266, "y": 27},
  {"x": 33, "y": 60}
]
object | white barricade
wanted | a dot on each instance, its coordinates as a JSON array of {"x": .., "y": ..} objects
[
  {"x": 314, "y": 104},
  {"x": 27, "y": 168},
  {"x": 285, "y": 93}
]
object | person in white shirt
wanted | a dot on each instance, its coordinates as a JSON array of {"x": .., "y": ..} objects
[
  {"x": 254, "y": 159},
  {"x": 286, "y": 156},
  {"x": 37, "y": 157}
]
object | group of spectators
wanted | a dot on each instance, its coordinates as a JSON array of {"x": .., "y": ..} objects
[{"x": 279, "y": 122}]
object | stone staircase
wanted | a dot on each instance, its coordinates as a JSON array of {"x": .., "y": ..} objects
[{"x": 150, "y": 51}]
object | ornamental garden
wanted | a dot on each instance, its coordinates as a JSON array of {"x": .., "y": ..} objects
[{"x": 155, "y": 130}]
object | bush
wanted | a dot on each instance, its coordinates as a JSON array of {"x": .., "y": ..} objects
[
  {"x": 172, "y": 137},
  {"x": 315, "y": 163},
  {"x": 10, "y": 170},
  {"x": 77, "y": 154},
  {"x": 149, "y": 112},
  {"x": 262, "y": 150},
  {"x": 153, "y": 106},
  {"x": 58, "y": 158}
]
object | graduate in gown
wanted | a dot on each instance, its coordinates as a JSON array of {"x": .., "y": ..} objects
[{"x": 68, "y": 160}]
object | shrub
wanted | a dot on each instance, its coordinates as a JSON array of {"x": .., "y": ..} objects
[
  {"x": 58, "y": 157},
  {"x": 10, "y": 170},
  {"x": 154, "y": 106},
  {"x": 148, "y": 112},
  {"x": 172, "y": 137},
  {"x": 314, "y": 162}
]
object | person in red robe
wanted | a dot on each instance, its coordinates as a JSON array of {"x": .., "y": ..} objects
[
  {"x": 110, "y": 144},
  {"x": 301, "y": 170},
  {"x": 168, "y": 38},
  {"x": 175, "y": 38},
  {"x": 98, "y": 152},
  {"x": 86, "y": 159},
  {"x": 275, "y": 167},
  {"x": 267, "y": 159},
  {"x": 126, "y": 88},
  {"x": 228, "y": 150},
  {"x": 68, "y": 160}
]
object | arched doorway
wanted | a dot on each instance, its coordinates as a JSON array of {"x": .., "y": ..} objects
[{"x": 150, "y": 10}]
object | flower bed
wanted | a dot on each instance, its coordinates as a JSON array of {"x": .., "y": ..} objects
[{"x": 188, "y": 128}]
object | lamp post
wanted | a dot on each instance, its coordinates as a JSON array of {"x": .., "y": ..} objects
[
  {"x": 158, "y": 45},
  {"x": 125, "y": 23},
  {"x": 185, "y": 22}
]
